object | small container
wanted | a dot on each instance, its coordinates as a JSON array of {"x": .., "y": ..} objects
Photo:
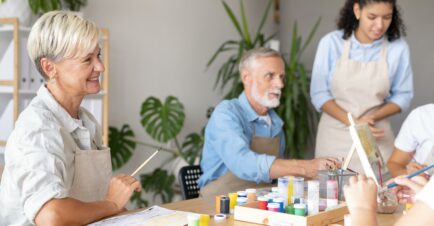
[
  {"x": 274, "y": 207},
  {"x": 298, "y": 187},
  {"x": 289, "y": 209},
  {"x": 232, "y": 200},
  {"x": 224, "y": 205},
  {"x": 300, "y": 209},
  {"x": 242, "y": 194},
  {"x": 251, "y": 194},
  {"x": 217, "y": 203},
  {"x": 281, "y": 204},
  {"x": 204, "y": 220},
  {"x": 193, "y": 219},
  {"x": 241, "y": 201},
  {"x": 262, "y": 203},
  {"x": 270, "y": 197},
  {"x": 282, "y": 185}
]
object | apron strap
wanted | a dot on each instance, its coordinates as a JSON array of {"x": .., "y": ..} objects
[{"x": 383, "y": 51}]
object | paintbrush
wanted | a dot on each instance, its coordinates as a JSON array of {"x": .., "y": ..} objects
[
  {"x": 145, "y": 162},
  {"x": 394, "y": 184}
]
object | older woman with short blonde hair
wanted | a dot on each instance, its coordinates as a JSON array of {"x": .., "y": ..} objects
[{"x": 57, "y": 171}]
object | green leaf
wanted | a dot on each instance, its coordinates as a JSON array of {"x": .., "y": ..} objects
[
  {"x": 159, "y": 182},
  {"x": 138, "y": 201},
  {"x": 311, "y": 34},
  {"x": 121, "y": 145},
  {"x": 162, "y": 122},
  {"x": 233, "y": 18},
  {"x": 263, "y": 19},
  {"x": 245, "y": 26},
  {"x": 192, "y": 147}
]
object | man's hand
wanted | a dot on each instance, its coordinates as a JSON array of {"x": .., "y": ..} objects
[
  {"x": 120, "y": 190},
  {"x": 324, "y": 163},
  {"x": 376, "y": 132},
  {"x": 408, "y": 188},
  {"x": 361, "y": 194}
]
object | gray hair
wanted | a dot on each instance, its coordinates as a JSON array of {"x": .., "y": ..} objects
[
  {"x": 250, "y": 56},
  {"x": 61, "y": 34}
]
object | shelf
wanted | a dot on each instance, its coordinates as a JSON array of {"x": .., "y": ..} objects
[{"x": 10, "y": 27}]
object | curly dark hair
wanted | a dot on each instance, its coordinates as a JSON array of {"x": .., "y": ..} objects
[{"x": 348, "y": 22}]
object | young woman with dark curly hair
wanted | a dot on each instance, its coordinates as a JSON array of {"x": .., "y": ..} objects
[{"x": 362, "y": 68}]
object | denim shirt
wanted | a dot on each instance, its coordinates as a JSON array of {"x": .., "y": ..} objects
[{"x": 228, "y": 135}]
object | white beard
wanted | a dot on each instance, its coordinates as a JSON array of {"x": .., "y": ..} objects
[{"x": 263, "y": 100}]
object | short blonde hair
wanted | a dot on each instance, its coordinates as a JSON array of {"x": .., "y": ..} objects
[{"x": 57, "y": 35}]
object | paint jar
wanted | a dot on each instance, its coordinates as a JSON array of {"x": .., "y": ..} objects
[
  {"x": 300, "y": 209},
  {"x": 312, "y": 197},
  {"x": 241, "y": 201},
  {"x": 289, "y": 209},
  {"x": 281, "y": 203},
  {"x": 322, "y": 204},
  {"x": 193, "y": 219},
  {"x": 224, "y": 205},
  {"x": 270, "y": 197},
  {"x": 262, "y": 203},
  {"x": 251, "y": 194},
  {"x": 242, "y": 194},
  {"x": 273, "y": 207},
  {"x": 232, "y": 200},
  {"x": 290, "y": 188},
  {"x": 341, "y": 176},
  {"x": 217, "y": 204},
  {"x": 332, "y": 193},
  {"x": 282, "y": 187},
  {"x": 204, "y": 220},
  {"x": 298, "y": 187}
]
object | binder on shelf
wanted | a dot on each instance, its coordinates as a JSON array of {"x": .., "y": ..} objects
[
  {"x": 7, "y": 61},
  {"x": 6, "y": 118},
  {"x": 24, "y": 65}
]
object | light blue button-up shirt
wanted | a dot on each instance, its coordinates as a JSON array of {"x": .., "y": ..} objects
[
  {"x": 228, "y": 135},
  {"x": 330, "y": 50}
]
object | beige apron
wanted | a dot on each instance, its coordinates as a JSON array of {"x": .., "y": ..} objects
[
  {"x": 93, "y": 171},
  {"x": 231, "y": 183},
  {"x": 359, "y": 88}
]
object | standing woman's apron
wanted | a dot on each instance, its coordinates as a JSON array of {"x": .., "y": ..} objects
[
  {"x": 92, "y": 174},
  {"x": 231, "y": 183},
  {"x": 360, "y": 88}
]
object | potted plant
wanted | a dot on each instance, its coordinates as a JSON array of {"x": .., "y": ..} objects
[{"x": 295, "y": 109}]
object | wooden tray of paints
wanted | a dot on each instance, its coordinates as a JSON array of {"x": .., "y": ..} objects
[{"x": 250, "y": 213}]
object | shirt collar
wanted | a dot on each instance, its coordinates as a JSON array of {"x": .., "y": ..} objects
[
  {"x": 358, "y": 44},
  {"x": 59, "y": 112},
  {"x": 252, "y": 115}
]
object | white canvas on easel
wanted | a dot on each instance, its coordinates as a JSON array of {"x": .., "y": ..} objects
[{"x": 369, "y": 154}]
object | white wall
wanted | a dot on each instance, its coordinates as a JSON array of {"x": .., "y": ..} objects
[
  {"x": 417, "y": 18},
  {"x": 160, "y": 48}
]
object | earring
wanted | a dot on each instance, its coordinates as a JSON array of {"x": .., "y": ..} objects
[{"x": 52, "y": 80}]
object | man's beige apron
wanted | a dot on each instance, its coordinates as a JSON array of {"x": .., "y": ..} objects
[
  {"x": 231, "y": 183},
  {"x": 359, "y": 88},
  {"x": 93, "y": 171}
]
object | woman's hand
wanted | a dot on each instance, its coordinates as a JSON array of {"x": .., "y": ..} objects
[
  {"x": 413, "y": 167},
  {"x": 368, "y": 119},
  {"x": 121, "y": 189},
  {"x": 361, "y": 194},
  {"x": 408, "y": 188}
]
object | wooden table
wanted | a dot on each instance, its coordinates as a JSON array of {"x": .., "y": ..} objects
[{"x": 207, "y": 206}]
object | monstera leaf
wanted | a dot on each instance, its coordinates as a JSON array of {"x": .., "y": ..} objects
[
  {"x": 162, "y": 122},
  {"x": 160, "y": 182},
  {"x": 192, "y": 147},
  {"x": 121, "y": 145}
]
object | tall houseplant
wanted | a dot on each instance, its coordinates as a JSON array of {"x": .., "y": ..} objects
[
  {"x": 295, "y": 108},
  {"x": 162, "y": 121}
]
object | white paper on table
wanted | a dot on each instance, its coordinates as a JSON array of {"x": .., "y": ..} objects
[{"x": 154, "y": 216}]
